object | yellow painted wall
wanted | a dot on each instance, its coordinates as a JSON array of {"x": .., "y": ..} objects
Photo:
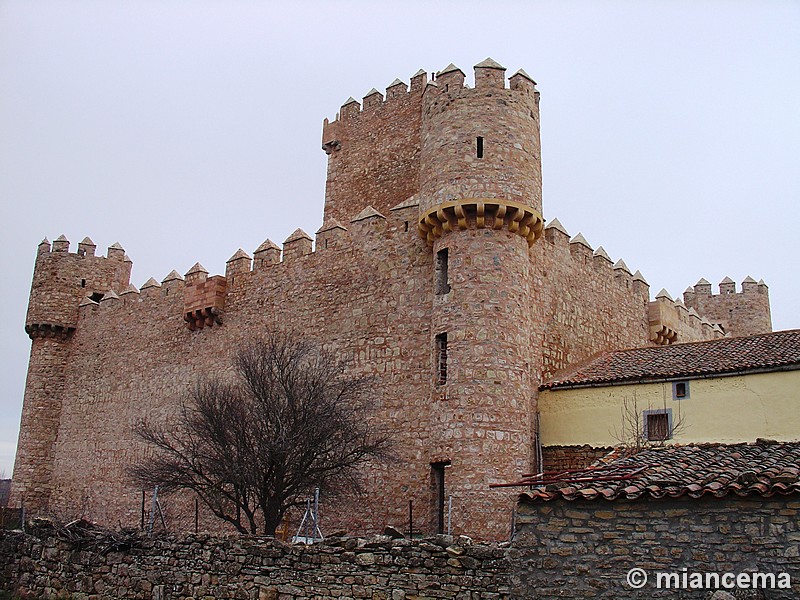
[{"x": 724, "y": 409}]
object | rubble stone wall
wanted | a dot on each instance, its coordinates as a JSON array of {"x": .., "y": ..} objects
[{"x": 254, "y": 569}]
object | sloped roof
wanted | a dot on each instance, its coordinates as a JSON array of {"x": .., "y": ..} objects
[
  {"x": 761, "y": 469},
  {"x": 776, "y": 350}
]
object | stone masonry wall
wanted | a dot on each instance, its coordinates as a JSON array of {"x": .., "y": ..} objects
[
  {"x": 584, "y": 549},
  {"x": 741, "y": 313},
  {"x": 255, "y": 569},
  {"x": 517, "y": 315}
]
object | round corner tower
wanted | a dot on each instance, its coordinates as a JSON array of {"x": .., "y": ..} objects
[{"x": 480, "y": 212}]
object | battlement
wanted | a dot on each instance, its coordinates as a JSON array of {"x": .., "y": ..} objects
[
  {"x": 62, "y": 280},
  {"x": 612, "y": 274},
  {"x": 745, "y": 312}
]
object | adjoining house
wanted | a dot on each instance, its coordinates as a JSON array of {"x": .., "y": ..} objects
[
  {"x": 728, "y": 390},
  {"x": 672, "y": 521}
]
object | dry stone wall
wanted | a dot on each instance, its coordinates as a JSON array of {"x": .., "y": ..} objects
[{"x": 200, "y": 566}]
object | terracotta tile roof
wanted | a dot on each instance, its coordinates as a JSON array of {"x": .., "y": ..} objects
[
  {"x": 760, "y": 469},
  {"x": 725, "y": 355}
]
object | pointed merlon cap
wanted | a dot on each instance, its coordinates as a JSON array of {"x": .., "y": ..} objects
[
  {"x": 451, "y": 68},
  {"x": 62, "y": 238},
  {"x": 350, "y": 100},
  {"x": 397, "y": 82},
  {"x": 197, "y": 268},
  {"x": 749, "y": 279},
  {"x": 693, "y": 313},
  {"x": 127, "y": 258},
  {"x": 409, "y": 202},
  {"x": 727, "y": 280},
  {"x": 267, "y": 244},
  {"x": 420, "y": 72},
  {"x": 87, "y": 241},
  {"x": 703, "y": 281},
  {"x": 432, "y": 83},
  {"x": 372, "y": 92},
  {"x": 663, "y": 295},
  {"x": 621, "y": 266},
  {"x": 116, "y": 246},
  {"x": 173, "y": 275},
  {"x": 330, "y": 224},
  {"x": 298, "y": 234},
  {"x": 522, "y": 73},
  {"x": 639, "y": 277},
  {"x": 131, "y": 289},
  {"x": 680, "y": 304},
  {"x": 689, "y": 290},
  {"x": 762, "y": 282},
  {"x": 368, "y": 212},
  {"x": 579, "y": 239},
  {"x": 601, "y": 253},
  {"x": 238, "y": 255},
  {"x": 44, "y": 242},
  {"x": 61, "y": 244},
  {"x": 489, "y": 64},
  {"x": 151, "y": 283},
  {"x": 87, "y": 302},
  {"x": 556, "y": 224},
  {"x": 109, "y": 295}
]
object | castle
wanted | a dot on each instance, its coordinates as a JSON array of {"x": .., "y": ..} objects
[{"x": 433, "y": 271}]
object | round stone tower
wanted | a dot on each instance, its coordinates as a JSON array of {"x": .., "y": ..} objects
[{"x": 480, "y": 211}]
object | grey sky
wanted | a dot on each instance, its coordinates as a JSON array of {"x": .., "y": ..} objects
[{"x": 185, "y": 129}]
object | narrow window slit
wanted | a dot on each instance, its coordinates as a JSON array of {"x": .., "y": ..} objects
[
  {"x": 480, "y": 146},
  {"x": 441, "y": 358}
]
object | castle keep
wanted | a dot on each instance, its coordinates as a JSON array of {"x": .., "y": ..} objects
[{"x": 433, "y": 271}]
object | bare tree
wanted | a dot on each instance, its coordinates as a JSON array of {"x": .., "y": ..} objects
[
  {"x": 632, "y": 433},
  {"x": 253, "y": 445}
]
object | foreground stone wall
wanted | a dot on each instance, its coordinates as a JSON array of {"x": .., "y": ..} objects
[
  {"x": 584, "y": 549},
  {"x": 255, "y": 569}
]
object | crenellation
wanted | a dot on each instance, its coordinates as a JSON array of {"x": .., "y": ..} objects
[
  {"x": 197, "y": 274},
  {"x": 116, "y": 252},
  {"x": 372, "y": 100},
  {"x": 450, "y": 78},
  {"x": 727, "y": 286},
  {"x": 601, "y": 258},
  {"x": 350, "y": 109},
  {"x": 738, "y": 313},
  {"x": 61, "y": 244},
  {"x": 86, "y": 247},
  {"x": 490, "y": 74},
  {"x": 43, "y": 247},
  {"x": 396, "y": 89},
  {"x": 266, "y": 255},
  {"x": 555, "y": 233},
  {"x": 580, "y": 249},
  {"x": 331, "y": 234},
  {"x": 131, "y": 289},
  {"x": 297, "y": 245},
  {"x": 521, "y": 81},
  {"x": 749, "y": 285},
  {"x": 702, "y": 287},
  {"x": 239, "y": 263}
]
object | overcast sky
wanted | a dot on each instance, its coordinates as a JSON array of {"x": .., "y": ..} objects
[{"x": 187, "y": 129}]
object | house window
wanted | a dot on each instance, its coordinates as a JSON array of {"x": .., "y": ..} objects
[
  {"x": 441, "y": 358},
  {"x": 680, "y": 390},
  {"x": 442, "y": 287},
  {"x": 657, "y": 425}
]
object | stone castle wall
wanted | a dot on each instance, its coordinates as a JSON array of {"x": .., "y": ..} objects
[
  {"x": 740, "y": 313},
  {"x": 521, "y": 303}
]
